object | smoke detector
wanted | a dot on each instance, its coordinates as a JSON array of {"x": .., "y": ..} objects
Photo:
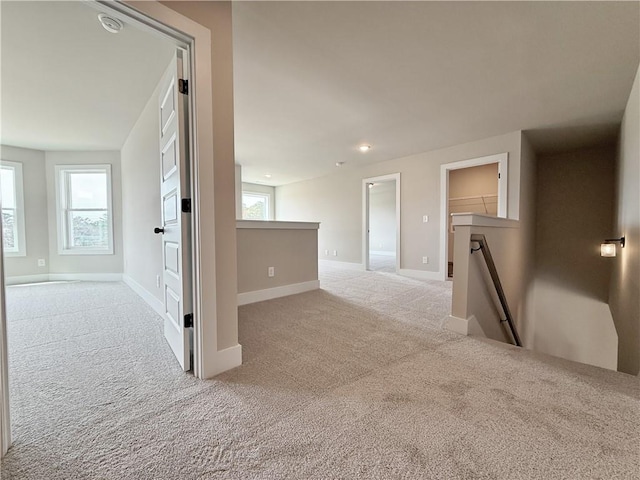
[{"x": 110, "y": 24}]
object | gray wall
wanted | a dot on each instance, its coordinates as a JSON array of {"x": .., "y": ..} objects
[
  {"x": 36, "y": 217},
  {"x": 293, "y": 253},
  {"x": 382, "y": 217},
  {"x": 336, "y": 200},
  {"x": 624, "y": 291},
  {"x": 574, "y": 215},
  {"x": 140, "y": 158},
  {"x": 41, "y": 220},
  {"x": 85, "y": 263}
]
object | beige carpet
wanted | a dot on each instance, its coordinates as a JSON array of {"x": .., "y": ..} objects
[{"x": 353, "y": 381}]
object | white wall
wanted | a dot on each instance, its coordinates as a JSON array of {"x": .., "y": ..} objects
[
  {"x": 624, "y": 290},
  {"x": 382, "y": 217},
  {"x": 336, "y": 201},
  {"x": 140, "y": 157},
  {"x": 59, "y": 264},
  {"x": 35, "y": 213}
]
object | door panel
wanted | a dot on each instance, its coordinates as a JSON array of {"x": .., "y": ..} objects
[{"x": 176, "y": 225}]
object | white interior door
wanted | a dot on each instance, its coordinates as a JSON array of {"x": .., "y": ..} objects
[{"x": 176, "y": 221}]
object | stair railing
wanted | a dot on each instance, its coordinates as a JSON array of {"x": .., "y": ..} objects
[{"x": 481, "y": 240}]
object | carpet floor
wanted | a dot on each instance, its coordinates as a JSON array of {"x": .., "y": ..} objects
[{"x": 356, "y": 380}]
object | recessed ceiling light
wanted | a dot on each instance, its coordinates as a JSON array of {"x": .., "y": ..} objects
[
  {"x": 364, "y": 148},
  {"x": 339, "y": 164},
  {"x": 110, "y": 24},
  {"x": 268, "y": 175}
]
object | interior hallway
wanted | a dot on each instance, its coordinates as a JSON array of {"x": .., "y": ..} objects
[{"x": 356, "y": 380}]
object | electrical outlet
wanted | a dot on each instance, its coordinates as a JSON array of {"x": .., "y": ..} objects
[
  {"x": 425, "y": 259},
  {"x": 158, "y": 281},
  {"x": 326, "y": 252},
  {"x": 271, "y": 271},
  {"x": 425, "y": 218},
  {"x": 41, "y": 262},
  {"x": 335, "y": 253}
]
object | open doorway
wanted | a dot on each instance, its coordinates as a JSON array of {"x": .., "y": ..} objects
[
  {"x": 478, "y": 186},
  {"x": 381, "y": 230},
  {"x": 65, "y": 217}
]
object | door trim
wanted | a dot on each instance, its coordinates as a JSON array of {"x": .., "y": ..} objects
[
  {"x": 502, "y": 159},
  {"x": 161, "y": 20},
  {"x": 365, "y": 216}
]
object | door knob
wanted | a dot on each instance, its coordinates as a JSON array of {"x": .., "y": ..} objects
[{"x": 158, "y": 230}]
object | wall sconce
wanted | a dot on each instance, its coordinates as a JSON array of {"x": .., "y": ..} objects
[{"x": 608, "y": 248}]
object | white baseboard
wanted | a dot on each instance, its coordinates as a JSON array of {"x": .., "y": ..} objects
[
  {"x": 343, "y": 265},
  {"x": 225, "y": 360},
  {"x": 24, "y": 279},
  {"x": 420, "y": 274},
  {"x": 150, "y": 299},
  {"x": 383, "y": 253},
  {"x": 86, "y": 277},
  {"x": 58, "y": 277},
  {"x": 276, "y": 292},
  {"x": 464, "y": 326}
]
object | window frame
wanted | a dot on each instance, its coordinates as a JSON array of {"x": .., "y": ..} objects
[
  {"x": 264, "y": 195},
  {"x": 18, "y": 190},
  {"x": 63, "y": 195}
]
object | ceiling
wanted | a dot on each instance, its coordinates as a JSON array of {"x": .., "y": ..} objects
[
  {"x": 313, "y": 80},
  {"x": 67, "y": 83}
]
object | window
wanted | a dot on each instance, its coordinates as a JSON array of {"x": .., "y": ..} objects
[
  {"x": 255, "y": 206},
  {"x": 13, "y": 238},
  {"x": 84, "y": 209}
]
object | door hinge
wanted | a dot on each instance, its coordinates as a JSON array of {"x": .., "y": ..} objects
[
  {"x": 183, "y": 86},
  {"x": 188, "y": 320},
  {"x": 498, "y": 176},
  {"x": 186, "y": 205}
]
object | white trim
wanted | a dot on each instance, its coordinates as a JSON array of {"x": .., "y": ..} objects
[
  {"x": 382, "y": 253},
  {"x": 502, "y": 159},
  {"x": 277, "y": 225},
  {"x": 227, "y": 359},
  {"x": 25, "y": 279},
  {"x": 457, "y": 324},
  {"x": 64, "y": 277},
  {"x": 480, "y": 220},
  {"x": 463, "y": 326},
  {"x": 86, "y": 277},
  {"x": 340, "y": 265},
  {"x": 420, "y": 274},
  {"x": 365, "y": 216},
  {"x": 5, "y": 419},
  {"x": 196, "y": 38},
  {"x": 63, "y": 195},
  {"x": 143, "y": 293},
  {"x": 18, "y": 190},
  {"x": 277, "y": 292}
]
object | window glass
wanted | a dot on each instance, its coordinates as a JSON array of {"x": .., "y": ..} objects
[
  {"x": 255, "y": 206},
  {"x": 84, "y": 209},
  {"x": 88, "y": 190}
]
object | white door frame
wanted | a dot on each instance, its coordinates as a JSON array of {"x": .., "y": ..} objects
[
  {"x": 365, "y": 216},
  {"x": 161, "y": 20},
  {"x": 502, "y": 159}
]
